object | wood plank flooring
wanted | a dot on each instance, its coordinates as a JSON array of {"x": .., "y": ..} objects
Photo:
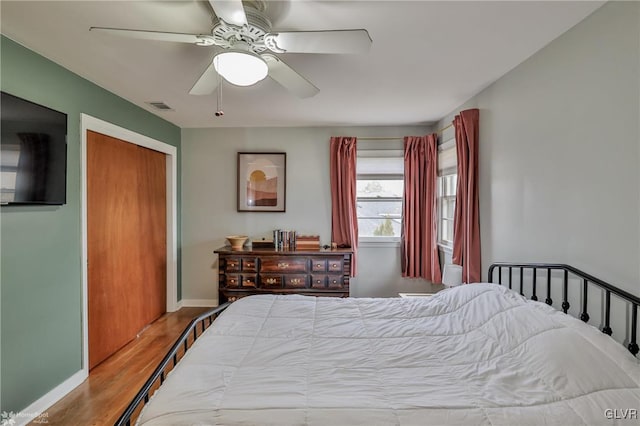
[{"x": 111, "y": 385}]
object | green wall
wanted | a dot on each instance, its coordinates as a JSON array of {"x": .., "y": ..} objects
[{"x": 40, "y": 287}]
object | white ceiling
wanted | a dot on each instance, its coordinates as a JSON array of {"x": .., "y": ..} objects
[{"x": 427, "y": 57}]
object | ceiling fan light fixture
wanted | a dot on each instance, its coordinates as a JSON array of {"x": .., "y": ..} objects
[{"x": 239, "y": 67}]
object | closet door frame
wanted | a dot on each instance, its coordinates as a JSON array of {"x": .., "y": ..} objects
[{"x": 89, "y": 123}]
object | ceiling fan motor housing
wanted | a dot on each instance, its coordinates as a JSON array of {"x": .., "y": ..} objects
[{"x": 258, "y": 25}]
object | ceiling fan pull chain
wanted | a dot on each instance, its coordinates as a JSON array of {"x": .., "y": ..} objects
[{"x": 219, "y": 111}]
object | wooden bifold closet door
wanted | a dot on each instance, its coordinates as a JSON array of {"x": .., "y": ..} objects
[{"x": 126, "y": 240}]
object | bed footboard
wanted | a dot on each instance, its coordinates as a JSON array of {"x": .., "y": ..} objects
[
  {"x": 196, "y": 327},
  {"x": 587, "y": 279}
]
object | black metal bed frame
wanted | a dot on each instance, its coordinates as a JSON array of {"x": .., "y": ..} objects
[
  {"x": 169, "y": 361},
  {"x": 632, "y": 300},
  {"x": 198, "y": 325}
]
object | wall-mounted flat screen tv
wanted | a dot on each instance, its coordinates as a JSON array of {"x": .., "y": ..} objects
[{"x": 33, "y": 158}]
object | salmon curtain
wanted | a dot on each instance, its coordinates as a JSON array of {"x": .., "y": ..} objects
[
  {"x": 419, "y": 245},
  {"x": 466, "y": 223},
  {"x": 344, "y": 220}
]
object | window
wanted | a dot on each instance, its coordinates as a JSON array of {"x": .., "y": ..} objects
[
  {"x": 379, "y": 191},
  {"x": 447, "y": 181},
  {"x": 446, "y": 208}
]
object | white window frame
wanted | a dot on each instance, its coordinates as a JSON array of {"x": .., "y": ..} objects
[
  {"x": 381, "y": 241},
  {"x": 445, "y": 168},
  {"x": 445, "y": 244}
]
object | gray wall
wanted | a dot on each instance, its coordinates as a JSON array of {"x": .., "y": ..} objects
[
  {"x": 559, "y": 152},
  {"x": 209, "y": 202},
  {"x": 41, "y": 246}
]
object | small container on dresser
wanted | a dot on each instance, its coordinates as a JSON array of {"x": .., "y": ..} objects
[{"x": 269, "y": 271}]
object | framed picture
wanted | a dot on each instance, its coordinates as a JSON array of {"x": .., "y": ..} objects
[{"x": 262, "y": 181}]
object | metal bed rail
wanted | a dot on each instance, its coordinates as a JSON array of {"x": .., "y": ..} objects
[
  {"x": 170, "y": 360},
  {"x": 631, "y": 299}
]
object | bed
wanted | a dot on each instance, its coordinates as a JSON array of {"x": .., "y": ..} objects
[{"x": 479, "y": 354}]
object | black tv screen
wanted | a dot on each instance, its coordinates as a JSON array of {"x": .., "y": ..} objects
[{"x": 33, "y": 158}]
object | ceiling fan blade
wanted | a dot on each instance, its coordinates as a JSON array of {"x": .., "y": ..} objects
[
  {"x": 203, "y": 40},
  {"x": 207, "y": 82},
  {"x": 332, "y": 41},
  {"x": 289, "y": 78},
  {"x": 230, "y": 11}
]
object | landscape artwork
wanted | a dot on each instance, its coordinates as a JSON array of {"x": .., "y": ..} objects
[{"x": 261, "y": 181}]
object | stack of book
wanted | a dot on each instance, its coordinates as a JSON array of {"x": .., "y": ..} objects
[
  {"x": 308, "y": 242},
  {"x": 290, "y": 240},
  {"x": 284, "y": 240}
]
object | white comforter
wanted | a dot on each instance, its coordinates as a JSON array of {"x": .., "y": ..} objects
[{"x": 473, "y": 355}]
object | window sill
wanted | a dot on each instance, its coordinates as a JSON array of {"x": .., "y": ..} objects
[
  {"x": 445, "y": 248},
  {"x": 378, "y": 242}
]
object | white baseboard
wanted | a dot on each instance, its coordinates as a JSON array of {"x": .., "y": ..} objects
[
  {"x": 37, "y": 410},
  {"x": 198, "y": 303}
]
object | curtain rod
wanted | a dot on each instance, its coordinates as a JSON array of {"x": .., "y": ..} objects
[
  {"x": 393, "y": 138},
  {"x": 380, "y": 138},
  {"x": 445, "y": 128}
]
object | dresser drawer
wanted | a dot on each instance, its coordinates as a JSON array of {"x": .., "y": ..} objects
[
  {"x": 232, "y": 264},
  {"x": 284, "y": 264},
  {"x": 318, "y": 265},
  {"x": 270, "y": 281},
  {"x": 248, "y": 280},
  {"x": 249, "y": 264},
  {"x": 335, "y": 281},
  {"x": 334, "y": 265},
  {"x": 318, "y": 281},
  {"x": 233, "y": 280},
  {"x": 295, "y": 281}
]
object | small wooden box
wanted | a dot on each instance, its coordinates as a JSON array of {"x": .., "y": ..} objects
[{"x": 260, "y": 244}]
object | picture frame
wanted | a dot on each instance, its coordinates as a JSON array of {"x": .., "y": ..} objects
[{"x": 262, "y": 181}]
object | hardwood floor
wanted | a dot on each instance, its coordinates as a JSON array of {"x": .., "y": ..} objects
[{"x": 112, "y": 384}]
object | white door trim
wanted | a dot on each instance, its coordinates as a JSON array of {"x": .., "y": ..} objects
[{"x": 88, "y": 122}]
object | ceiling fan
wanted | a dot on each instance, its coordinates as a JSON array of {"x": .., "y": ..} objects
[{"x": 248, "y": 47}]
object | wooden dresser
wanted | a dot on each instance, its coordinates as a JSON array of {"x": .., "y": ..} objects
[{"x": 268, "y": 271}]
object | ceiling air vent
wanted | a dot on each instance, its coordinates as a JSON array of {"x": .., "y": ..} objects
[{"x": 160, "y": 106}]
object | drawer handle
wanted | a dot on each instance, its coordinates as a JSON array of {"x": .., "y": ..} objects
[
  {"x": 319, "y": 265},
  {"x": 335, "y": 265},
  {"x": 232, "y": 265},
  {"x": 249, "y": 265},
  {"x": 296, "y": 280},
  {"x": 335, "y": 282},
  {"x": 318, "y": 281},
  {"x": 270, "y": 280},
  {"x": 232, "y": 281},
  {"x": 283, "y": 265}
]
